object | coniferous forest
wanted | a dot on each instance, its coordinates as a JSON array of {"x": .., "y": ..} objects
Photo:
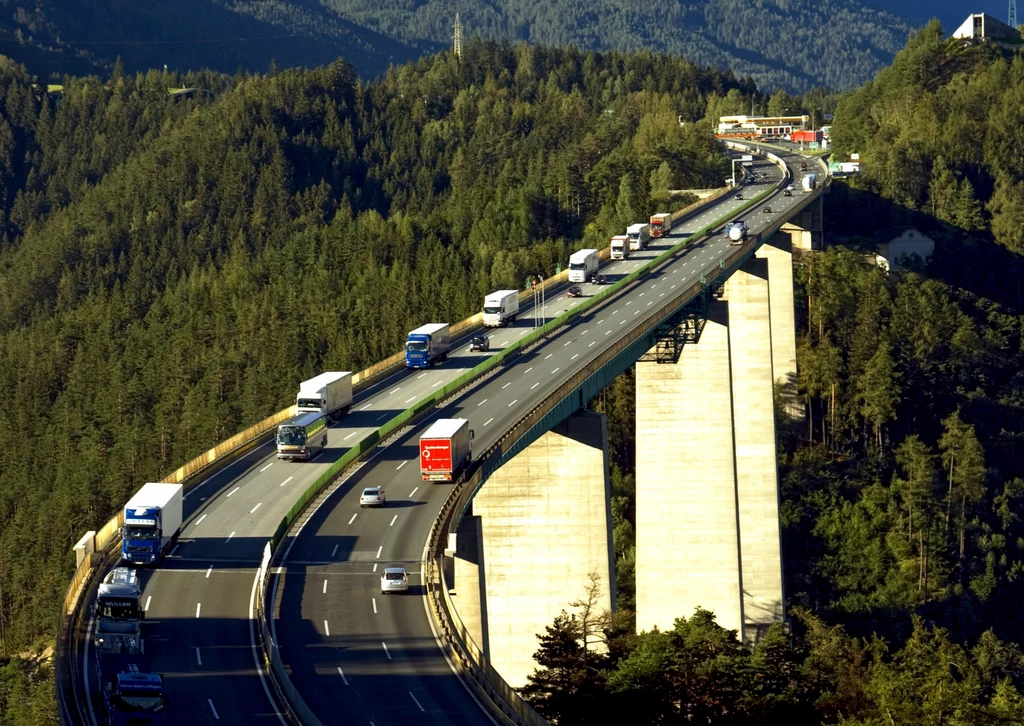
[{"x": 170, "y": 265}]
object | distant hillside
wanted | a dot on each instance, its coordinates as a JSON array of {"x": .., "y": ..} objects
[{"x": 793, "y": 44}]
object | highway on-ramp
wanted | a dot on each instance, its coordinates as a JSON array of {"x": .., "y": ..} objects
[{"x": 366, "y": 658}]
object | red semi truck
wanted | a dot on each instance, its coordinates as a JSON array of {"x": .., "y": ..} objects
[
  {"x": 444, "y": 449},
  {"x": 660, "y": 225}
]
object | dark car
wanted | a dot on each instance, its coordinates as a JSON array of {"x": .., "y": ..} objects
[
  {"x": 599, "y": 279},
  {"x": 480, "y": 342},
  {"x": 767, "y": 210},
  {"x": 575, "y": 291},
  {"x": 739, "y": 196},
  {"x": 787, "y": 193}
]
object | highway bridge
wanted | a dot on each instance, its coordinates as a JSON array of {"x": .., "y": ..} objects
[{"x": 308, "y": 637}]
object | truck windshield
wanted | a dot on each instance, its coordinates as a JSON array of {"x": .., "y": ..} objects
[
  {"x": 134, "y": 702},
  {"x": 577, "y": 266},
  {"x": 291, "y": 435},
  {"x": 119, "y": 609},
  {"x": 416, "y": 346},
  {"x": 492, "y": 310},
  {"x": 310, "y": 403},
  {"x": 142, "y": 533}
]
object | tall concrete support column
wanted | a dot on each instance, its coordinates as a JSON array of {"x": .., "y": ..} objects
[
  {"x": 687, "y": 538},
  {"x": 807, "y": 228},
  {"x": 778, "y": 252},
  {"x": 546, "y": 525},
  {"x": 757, "y": 485}
]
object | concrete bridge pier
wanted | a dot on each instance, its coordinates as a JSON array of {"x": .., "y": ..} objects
[
  {"x": 539, "y": 526},
  {"x": 707, "y": 483},
  {"x": 807, "y": 228}
]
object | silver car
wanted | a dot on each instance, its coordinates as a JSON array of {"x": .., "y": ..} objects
[
  {"x": 372, "y": 497},
  {"x": 394, "y": 579}
]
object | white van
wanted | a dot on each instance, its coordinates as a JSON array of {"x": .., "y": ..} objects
[{"x": 582, "y": 265}]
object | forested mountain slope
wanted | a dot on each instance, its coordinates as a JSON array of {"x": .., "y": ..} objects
[
  {"x": 793, "y": 44},
  {"x": 170, "y": 267}
]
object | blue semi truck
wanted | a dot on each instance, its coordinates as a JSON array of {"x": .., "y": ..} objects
[
  {"x": 151, "y": 521},
  {"x": 133, "y": 695},
  {"x": 427, "y": 344}
]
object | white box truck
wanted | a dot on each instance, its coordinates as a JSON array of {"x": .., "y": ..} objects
[
  {"x": 501, "y": 308},
  {"x": 329, "y": 393},
  {"x": 620, "y": 247},
  {"x": 582, "y": 265},
  {"x": 151, "y": 521},
  {"x": 639, "y": 235}
]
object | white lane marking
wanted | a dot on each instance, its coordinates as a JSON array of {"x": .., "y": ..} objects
[
  {"x": 343, "y": 678},
  {"x": 548, "y": 356},
  {"x": 556, "y": 370},
  {"x": 327, "y": 629},
  {"x": 229, "y": 537},
  {"x": 591, "y": 345},
  {"x": 374, "y": 601},
  {"x": 395, "y": 390},
  {"x": 366, "y": 407},
  {"x": 568, "y": 342},
  {"x": 413, "y": 492},
  {"x": 506, "y": 385},
  {"x": 335, "y": 550},
  {"x": 287, "y": 480},
  {"x": 421, "y": 375},
  {"x": 266, "y": 467},
  {"x": 199, "y": 606},
  {"x": 575, "y": 356},
  {"x": 401, "y": 465},
  {"x": 534, "y": 385},
  {"x": 629, "y": 303},
  {"x": 258, "y": 505},
  {"x": 233, "y": 491},
  {"x": 374, "y": 566},
  {"x": 383, "y": 415},
  {"x": 513, "y": 403},
  {"x": 208, "y": 571},
  {"x": 213, "y": 708},
  {"x": 607, "y": 332},
  {"x": 482, "y": 403},
  {"x": 584, "y": 332},
  {"x": 529, "y": 369},
  {"x": 416, "y": 702},
  {"x": 350, "y": 522},
  {"x": 661, "y": 295},
  {"x": 325, "y": 587},
  {"x": 393, "y": 521},
  {"x": 199, "y": 658},
  {"x": 600, "y": 321},
  {"x": 379, "y": 550},
  {"x": 637, "y": 312},
  {"x": 650, "y": 303},
  {"x": 437, "y": 384},
  {"x": 642, "y": 294},
  {"x": 349, "y": 436},
  {"x": 196, "y": 523},
  {"x": 488, "y": 421},
  {"x": 148, "y": 600},
  {"x": 410, "y": 400},
  {"x": 386, "y": 649}
]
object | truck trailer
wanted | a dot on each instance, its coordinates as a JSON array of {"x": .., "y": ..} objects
[
  {"x": 151, "y": 521},
  {"x": 118, "y": 613},
  {"x": 639, "y": 235},
  {"x": 501, "y": 308},
  {"x": 445, "y": 449},
  {"x": 736, "y": 232},
  {"x": 619, "y": 247},
  {"x": 661, "y": 224},
  {"x": 582, "y": 264},
  {"x": 329, "y": 393},
  {"x": 427, "y": 344},
  {"x": 132, "y": 694}
]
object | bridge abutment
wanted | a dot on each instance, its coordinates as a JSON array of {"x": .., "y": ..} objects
[{"x": 545, "y": 523}]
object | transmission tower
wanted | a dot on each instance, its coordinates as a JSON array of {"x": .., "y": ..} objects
[
  {"x": 1013, "y": 14},
  {"x": 457, "y": 45}
]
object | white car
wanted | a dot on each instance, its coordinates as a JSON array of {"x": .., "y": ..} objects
[
  {"x": 372, "y": 497},
  {"x": 394, "y": 579}
]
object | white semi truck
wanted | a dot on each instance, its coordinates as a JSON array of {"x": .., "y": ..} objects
[
  {"x": 582, "y": 265},
  {"x": 329, "y": 393},
  {"x": 736, "y": 231},
  {"x": 639, "y": 235},
  {"x": 501, "y": 308},
  {"x": 118, "y": 613},
  {"x": 619, "y": 247}
]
